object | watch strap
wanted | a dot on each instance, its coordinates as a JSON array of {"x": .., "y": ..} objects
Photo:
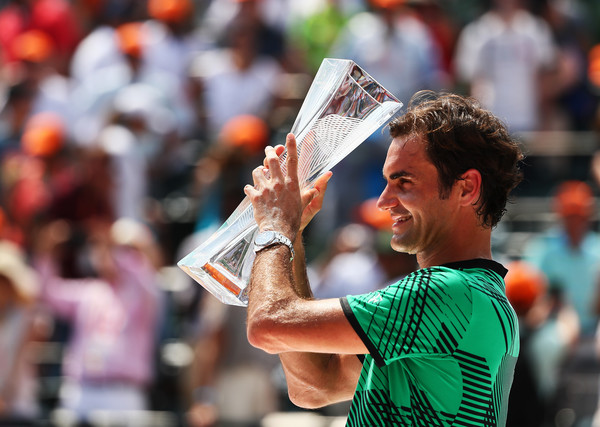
[{"x": 279, "y": 239}]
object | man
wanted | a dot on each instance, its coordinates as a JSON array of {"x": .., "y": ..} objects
[
  {"x": 441, "y": 344},
  {"x": 569, "y": 253},
  {"x": 507, "y": 58}
]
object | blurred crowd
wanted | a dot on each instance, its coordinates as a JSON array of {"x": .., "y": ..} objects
[{"x": 128, "y": 129}]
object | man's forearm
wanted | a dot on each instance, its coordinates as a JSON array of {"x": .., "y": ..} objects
[
  {"x": 271, "y": 296},
  {"x": 301, "y": 284},
  {"x": 276, "y": 291},
  {"x": 314, "y": 379}
]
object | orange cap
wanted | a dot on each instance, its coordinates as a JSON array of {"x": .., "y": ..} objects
[
  {"x": 33, "y": 46},
  {"x": 246, "y": 131},
  {"x": 524, "y": 284},
  {"x": 130, "y": 37},
  {"x": 370, "y": 214},
  {"x": 44, "y": 134},
  {"x": 169, "y": 10},
  {"x": 386, "y": 4},
  {"x": 574, "y": 198}
]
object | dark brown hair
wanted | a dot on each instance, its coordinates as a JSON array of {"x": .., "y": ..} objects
[{"x": 460, "y": 135}]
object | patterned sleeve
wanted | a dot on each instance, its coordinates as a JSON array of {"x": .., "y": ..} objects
[{"x": 425, "y": 313}]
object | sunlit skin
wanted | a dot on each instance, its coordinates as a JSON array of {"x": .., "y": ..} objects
[{"x": 424, "y": 223}]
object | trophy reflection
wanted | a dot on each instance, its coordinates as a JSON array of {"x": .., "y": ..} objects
[{"x": 342, "y": 108}]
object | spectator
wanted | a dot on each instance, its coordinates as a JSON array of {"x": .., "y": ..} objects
[
  {"x": 394, "y": 46},
  {"x": 137, "y": 141},
  {"x": 313, "y": 35},
  {"x": 547, "y": 332},
  {"x": 569, "y": 256},
  {"x": 353, "y": 267},
  {"x": 230, "y": 382},
  {"x": 53, "y": 17},
  {"x": 236, "y": 80},
  {"x": 113, "y": 310},
  {"x": 35, "y": 50},
  {"x": 443, "y": 29},
  {"x": 268, "y": 18},
  {"x": 18, "y": 295},
  {"x": 27, "y": 184},
  {"x": 99, "y": 48},
  {"x": 13, "y": 116},
  {"x": 505, "y": 57},
  {"x": 570, "y": 101},
  {"x": 523, "y": 286},
  {"x": 169, "y": 46}
]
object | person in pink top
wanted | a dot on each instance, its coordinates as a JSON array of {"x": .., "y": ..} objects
[{"x": 108, "y": 360}]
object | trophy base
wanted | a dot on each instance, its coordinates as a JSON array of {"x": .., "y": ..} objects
[{"x": 215, "y": 279}]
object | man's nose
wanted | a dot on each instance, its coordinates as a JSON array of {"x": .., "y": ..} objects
[{"x": 386, "y": 200}]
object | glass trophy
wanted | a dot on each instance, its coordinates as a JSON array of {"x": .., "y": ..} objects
[{"x": 343, "y": 107}]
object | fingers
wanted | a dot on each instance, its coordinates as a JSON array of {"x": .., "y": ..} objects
[
  {"x": 309, "y": 195},
  {"x": 279, "y": 149},
  {"x": 272, "y": 155},
  {"x": 272, "y": 163},
  {"x": 318, "y": 190},
  {"x": 250, "y": 191},
  {"x": 322, "y": 181},
  {"x": 271, "y": 168},
  {"x": 260, "y": 175},
  {"x": 292, "y": 156}
]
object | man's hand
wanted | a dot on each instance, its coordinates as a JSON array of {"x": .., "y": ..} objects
[
  {"x": 278, "y": 202},
  {"x": 313, "y": 201}
]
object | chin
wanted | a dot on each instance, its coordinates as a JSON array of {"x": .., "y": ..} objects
[{"x": 403, "y": 247}]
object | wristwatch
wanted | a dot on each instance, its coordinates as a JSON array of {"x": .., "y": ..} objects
[{"x": 270, "y": 238}]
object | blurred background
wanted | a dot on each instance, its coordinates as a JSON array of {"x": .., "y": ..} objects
[{"x": 128, "y": 129}]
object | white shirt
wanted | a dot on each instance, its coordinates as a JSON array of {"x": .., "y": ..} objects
[
  {"x": 501, "y": 60},
  {"x": 229, "y": 92}
]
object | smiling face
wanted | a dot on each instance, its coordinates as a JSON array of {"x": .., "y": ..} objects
[{"x": 423, "y": 222}]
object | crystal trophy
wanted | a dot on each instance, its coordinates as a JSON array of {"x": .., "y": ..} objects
[{"x": 343, "y": 107}]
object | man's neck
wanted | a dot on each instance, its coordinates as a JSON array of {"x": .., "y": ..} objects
[{"x": 476, "y": 246}]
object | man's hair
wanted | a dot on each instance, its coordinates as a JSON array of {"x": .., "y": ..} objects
[{"x": 460, "y": 135}]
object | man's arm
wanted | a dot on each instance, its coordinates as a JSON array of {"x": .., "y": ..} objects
[
  {"x": 315, "y": 341},
  {"x": 316, "y": 379}
]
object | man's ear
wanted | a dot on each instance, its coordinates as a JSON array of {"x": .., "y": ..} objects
[{"x": 470, "y": 187}]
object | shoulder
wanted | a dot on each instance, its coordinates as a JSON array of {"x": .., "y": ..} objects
[
  {"x": 428, "y": 284},
  {"x": 435, "y": 277},
  {"x": 465, "y": 277}
]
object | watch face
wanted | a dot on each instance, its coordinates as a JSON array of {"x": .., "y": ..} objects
[{"x": 264, "y": 238}]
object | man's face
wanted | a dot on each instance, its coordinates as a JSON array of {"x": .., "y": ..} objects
[
  {"x": 422, "y": 221},
  {"x": 576, "y": 226}
]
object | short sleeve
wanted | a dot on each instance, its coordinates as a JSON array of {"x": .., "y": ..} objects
[{"x": 426, "y": 313}]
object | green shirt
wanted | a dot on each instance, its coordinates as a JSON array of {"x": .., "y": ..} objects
[{"x": 443, "y": 343}]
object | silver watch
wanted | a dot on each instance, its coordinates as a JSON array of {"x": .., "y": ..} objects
[{"x": 270, "y": 238}]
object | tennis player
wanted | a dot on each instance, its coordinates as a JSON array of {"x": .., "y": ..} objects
[{"x": 438, "y": 348}]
